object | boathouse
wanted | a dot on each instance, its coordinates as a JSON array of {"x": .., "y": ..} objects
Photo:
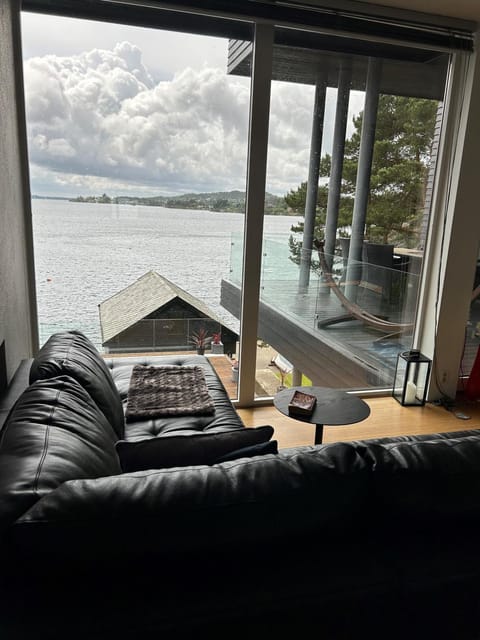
[{"x": 154, "y": 314}]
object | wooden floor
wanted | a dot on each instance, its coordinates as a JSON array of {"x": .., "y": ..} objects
[{"x": 387, "y": 418}]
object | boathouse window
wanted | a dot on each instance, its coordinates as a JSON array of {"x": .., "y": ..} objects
[{"x": 305, "y": 160}]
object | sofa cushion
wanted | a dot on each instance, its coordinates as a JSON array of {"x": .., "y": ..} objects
[
  {"x": 54, "y": 433},
  {"x": 425, "y": 481},
  {"x": 171, "y": 512},
  {"x": 183, "y": 451},
  {"x": 224, "y": 418},
  {"x": 261, "y": 449},
  {"x": 71, "y": 353}
]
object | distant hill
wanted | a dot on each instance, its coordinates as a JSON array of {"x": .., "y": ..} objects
[
  {"x": 35, "y": 197},
  {"x": 233, "y": 201}
]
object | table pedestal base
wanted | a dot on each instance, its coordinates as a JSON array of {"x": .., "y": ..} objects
[{"x": 318, "y": 434}]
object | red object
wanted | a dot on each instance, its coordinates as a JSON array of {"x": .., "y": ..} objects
[{"x": 472, "y": 388}]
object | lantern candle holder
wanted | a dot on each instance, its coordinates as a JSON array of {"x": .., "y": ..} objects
[{"x": 412, "y": 374}]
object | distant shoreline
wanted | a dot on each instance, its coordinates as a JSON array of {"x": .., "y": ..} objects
[
  {"x": 226, "y": 202},
  {"x": 36, "y": 197}
]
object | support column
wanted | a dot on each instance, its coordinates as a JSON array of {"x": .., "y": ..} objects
[
  {"x": 296, "y": 377},
  {"x": 338, "y": 148},
  {"x": 364, "y": 170},
  {"x": 254, "y": 210},
  {"x": 312, "y": 184}
]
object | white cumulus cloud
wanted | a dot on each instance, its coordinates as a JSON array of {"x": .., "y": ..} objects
[{"x": 99, "y": 119}]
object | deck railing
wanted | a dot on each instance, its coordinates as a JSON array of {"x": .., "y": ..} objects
[
  {"x": 386, "y": 293},
  {"x": 163, "y": 334}
]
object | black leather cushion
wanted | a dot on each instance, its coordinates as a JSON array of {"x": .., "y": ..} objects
[
  {"x": 71, "y": 353},
  {"x": 173, "y": 511},
  {"x": 54, "y": 433},
  {"x": 225, "y": 418},
  {"x": 183, "y": 451},
  {"x": 261, "y": 449},
  {"x": 425, "y": 481}
]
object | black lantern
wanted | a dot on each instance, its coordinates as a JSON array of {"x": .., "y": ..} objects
[{"x": 411, "y": 378}]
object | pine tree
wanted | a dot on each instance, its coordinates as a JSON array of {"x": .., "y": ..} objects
[{"x": 401, "y": 158}]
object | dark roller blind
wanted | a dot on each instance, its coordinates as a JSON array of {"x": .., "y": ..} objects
[{"x": 231, "y": 18}]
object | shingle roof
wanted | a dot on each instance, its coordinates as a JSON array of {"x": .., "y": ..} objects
[{"x": 150, "y": 292}]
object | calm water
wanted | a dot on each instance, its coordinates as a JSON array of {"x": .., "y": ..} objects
[{"x": 85, "y": 253}]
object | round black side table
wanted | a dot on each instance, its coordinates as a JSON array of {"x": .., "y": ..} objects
[{"x": 333, "y": 407}]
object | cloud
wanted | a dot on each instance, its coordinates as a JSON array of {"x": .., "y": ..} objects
[
  {"x": 99, "y": 119},
  {"x": 100, "y": 114}
]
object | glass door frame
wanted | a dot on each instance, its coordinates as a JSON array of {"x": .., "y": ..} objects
[{"x": 428, "y": 318}]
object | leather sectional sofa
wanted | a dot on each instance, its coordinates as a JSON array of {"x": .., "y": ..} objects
[{"x": 113, "y": 528}]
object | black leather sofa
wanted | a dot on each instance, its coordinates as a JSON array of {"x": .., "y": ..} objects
[{"x": 348, "y": 540}]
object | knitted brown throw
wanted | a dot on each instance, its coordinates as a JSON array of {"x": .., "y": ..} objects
[{"x": 168, "y": 390}]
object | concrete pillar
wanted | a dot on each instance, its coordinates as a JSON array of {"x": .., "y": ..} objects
[
  {"x": 364, "y": 170},
  {"x": 338, "y": 148},
  {"x": 296, "y": 377},
  {"x": 312, "y": 184}
]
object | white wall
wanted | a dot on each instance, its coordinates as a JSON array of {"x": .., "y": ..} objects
[
  {"x": 17, "y": 307},
  {"x": 450, "y": 261}
]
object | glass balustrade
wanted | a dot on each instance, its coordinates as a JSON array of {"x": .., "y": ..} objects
[{"x": 369, "y": 320}]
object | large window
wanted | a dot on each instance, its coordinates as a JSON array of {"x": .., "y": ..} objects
[
  {"x": 266, "y": 184},
  {"x": 138, "y": 147}
]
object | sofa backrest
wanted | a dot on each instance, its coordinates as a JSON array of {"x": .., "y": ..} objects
[
  {"x": 229, "y": 506},
  {"x": 54, "y": 433},
  {"x": 71, "y": 353},
  {"x": 331, "y": 491},
  {"x": 434, "y": 483}
]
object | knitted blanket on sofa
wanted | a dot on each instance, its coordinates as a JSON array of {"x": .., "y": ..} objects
[{"x": 167, "y": 390}]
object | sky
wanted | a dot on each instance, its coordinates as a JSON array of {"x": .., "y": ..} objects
[{"x": 131, "y": 111}]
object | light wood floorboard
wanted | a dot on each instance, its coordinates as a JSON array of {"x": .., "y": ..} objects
[{"x": 387, "y": 418}]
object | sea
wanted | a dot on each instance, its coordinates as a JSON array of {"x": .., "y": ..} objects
[{"x": 87, "y": 252}]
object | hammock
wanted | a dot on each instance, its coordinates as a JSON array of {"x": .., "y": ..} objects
[{"x": 355, "y": 311}]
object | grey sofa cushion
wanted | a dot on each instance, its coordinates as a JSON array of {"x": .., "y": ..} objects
[
  {"x": 54, "y": 433},
  {"x": 71, "y": 353},
  {"x": 183, "y": 451}
]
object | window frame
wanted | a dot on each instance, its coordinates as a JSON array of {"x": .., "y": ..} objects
[{"x": 450, "y": 209}]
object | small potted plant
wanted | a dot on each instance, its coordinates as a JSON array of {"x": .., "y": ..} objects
[
  {"x": 217, "y": 344},
  {"x": 200, "y": 340}
]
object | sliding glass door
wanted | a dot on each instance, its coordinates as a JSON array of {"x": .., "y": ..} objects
[{"x": 351, "y": 157}]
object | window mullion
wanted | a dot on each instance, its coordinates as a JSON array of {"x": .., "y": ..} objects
[{"x": 254, "y": 209}]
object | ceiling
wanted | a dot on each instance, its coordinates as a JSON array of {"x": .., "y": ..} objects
[{"x": 465, "y": 9}]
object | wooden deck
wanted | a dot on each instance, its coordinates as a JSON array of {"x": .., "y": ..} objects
[
  {"x": 349, "y": 354},
  {"x": 346, "y": 355},
  {"x": 223, "y": 366}
]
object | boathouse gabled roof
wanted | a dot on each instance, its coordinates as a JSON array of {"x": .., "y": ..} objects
[{"x": 137, "y": 301}]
